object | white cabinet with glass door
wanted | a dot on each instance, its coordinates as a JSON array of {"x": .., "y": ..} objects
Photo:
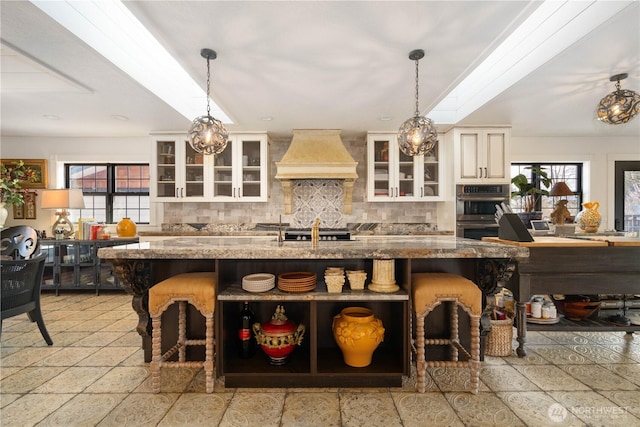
[
  {"x": 394, "y": 176},
  {"x": 240, "y": 172},
  {"x": 481, "y": 155},
  {"x": 178, "y": 173}
]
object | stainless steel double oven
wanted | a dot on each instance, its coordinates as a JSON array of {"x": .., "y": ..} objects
[{"x": 476, "y": 209}]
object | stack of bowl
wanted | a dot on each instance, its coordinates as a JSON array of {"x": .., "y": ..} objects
[
  {"x": 334, "y": 279},
  {"x": 356, "y": 279}
]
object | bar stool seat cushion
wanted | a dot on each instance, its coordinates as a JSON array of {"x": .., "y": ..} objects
[
  {"x": 430, "y": 288},
  {"x": 199, "y": 287}
]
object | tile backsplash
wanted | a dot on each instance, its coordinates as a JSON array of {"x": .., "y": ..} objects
[{"x": 312, "y": 198}]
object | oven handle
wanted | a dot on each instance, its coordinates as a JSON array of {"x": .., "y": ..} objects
[
  {"x": 477, "y": 225},
  {"x": 482, "y": 198}
]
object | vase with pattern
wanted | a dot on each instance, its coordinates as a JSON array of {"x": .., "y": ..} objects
[
  {"x": 358, "y": 333},
  {"x": 589, "y": 218}
]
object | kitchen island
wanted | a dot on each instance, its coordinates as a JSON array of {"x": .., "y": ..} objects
[
  {"x": 583, "y": 264},
  {"x": 318, "y": 361}
]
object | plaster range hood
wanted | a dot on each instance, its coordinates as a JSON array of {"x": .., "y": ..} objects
[{"x": 316, "y": 154}]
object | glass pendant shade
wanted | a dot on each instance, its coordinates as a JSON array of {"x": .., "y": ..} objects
[
  {"x": 417, "y": 135},
  {"x": 619, "y": 106},
  {"x": 208, "y": 135}
]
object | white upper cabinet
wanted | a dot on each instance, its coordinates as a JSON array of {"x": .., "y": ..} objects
[
  {"x": 237, "y": 174},
  {"x": 481, "y": 155},
  {"x": 394, "y": 176},
  {"x": 240, "y": 172},
  {"x": 177, "y": 171}
]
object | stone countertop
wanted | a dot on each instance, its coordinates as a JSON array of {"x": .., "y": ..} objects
[
  {"x": 271, "y": 229},
  {"x": 359, "y": 248}
]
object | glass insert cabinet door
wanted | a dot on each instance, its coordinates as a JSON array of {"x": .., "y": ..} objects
[
  {"x": 223, "y": 185},
  {"x": 180, "y": 170},
  {"x": 251, "y": 159},
  {"x": 166, "y": 168},
  {"x": 240, "y": 169},
  {"x": 193, "y": 172},
  {"x": 431, "y": 173}
]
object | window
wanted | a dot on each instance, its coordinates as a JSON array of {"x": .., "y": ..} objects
[
  {"x": 570, "y": 173},
  {"x": 111, "y": 191}
]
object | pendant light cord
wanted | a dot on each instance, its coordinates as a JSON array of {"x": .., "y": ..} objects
[
  {"x": 417, "y": 109},
  {"x": 208, "y": 84}
]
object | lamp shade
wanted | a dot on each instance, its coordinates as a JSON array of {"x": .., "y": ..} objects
[
  {"x": 560, "y": 188},
  {"x": 62, "y": 199}
]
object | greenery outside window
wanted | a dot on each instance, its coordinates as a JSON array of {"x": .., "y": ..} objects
[
  {"x": 111, "y": 191},
  {"x": 570, "y": 173}
]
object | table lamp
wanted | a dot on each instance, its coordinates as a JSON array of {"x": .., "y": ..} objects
[
  {"x": 61, "y": 200},
  {"x": 560, "y": 213}
]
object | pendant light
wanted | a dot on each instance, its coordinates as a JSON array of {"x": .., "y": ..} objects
[
  {"x": 207, "y": 135},
  {"x": 619, "y": 106},
  {"x": 417, "y": 135}
]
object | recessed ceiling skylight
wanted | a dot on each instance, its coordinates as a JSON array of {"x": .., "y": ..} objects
[
  {"x": 112, "y": 30},
  {"x": 548, "y": 31}
]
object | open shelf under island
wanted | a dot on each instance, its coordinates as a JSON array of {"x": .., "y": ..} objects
[{"x": 318, "y": 361}]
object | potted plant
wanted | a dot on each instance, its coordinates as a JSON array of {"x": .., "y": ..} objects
[
  {"x": 11, "y": 191},
  {"x": 529, "y": 192}
]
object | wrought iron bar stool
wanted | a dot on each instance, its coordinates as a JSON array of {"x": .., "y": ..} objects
[
  {"x": 199, "y": 290},
  {"x": 428, "y": 290}
]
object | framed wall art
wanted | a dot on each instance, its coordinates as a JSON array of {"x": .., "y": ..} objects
[{"x": 38, "y": 165}]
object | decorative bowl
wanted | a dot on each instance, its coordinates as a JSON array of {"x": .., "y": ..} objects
[{"x": 577, "y": 307}]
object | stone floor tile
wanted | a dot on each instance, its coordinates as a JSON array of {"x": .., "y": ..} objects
[
  {"x": 536, "y": 408},
  {"x": 84, "y": 410},
  {"x": 600, "y": 354},
  {"x": 373, "y": 409},
  {"x": 32, "y": 408},
  {"x": 482, "y": 409},
  {"x": 248, "y": 409},
  {"x": 67, "y": 356},
  {"x": 559, "y": 354},
  {"x": 505, "y": 378},
  {"x": 425, "y": 409},
  {"x": 25, "y": 380},
  {"x": 594, "y": 409},
  {"x": 629, "y": 400},
  {"x": 565, "y": 337},
  {"x": 140, "y": 409},
  {"x": 532, "y": 358},
  {"x": 550, "y": 378},
  {"x": 311, "y": 409},
  {"x": 108, "y": 356},
  {"x": 193, "y": 410},
  {"x": 119, "y": 380},
  {"x": 629, "y": 371},
  {"x": 98, "y": 339},
  {"x": 72, "y": 380},
  {"x": 453, "y": 379},
  {"x": 598, "y": 378}
]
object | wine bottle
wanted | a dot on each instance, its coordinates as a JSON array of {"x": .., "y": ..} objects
[{"x": 246, "y": 339}]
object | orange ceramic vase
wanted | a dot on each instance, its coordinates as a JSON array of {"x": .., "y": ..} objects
[
  {"x": 589, "y": 218},
  {"x": 358, "y": 333},
  {"x": 126, "y": 228}
]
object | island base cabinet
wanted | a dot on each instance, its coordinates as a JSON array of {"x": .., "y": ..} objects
[{"x": 318, "y": 361}]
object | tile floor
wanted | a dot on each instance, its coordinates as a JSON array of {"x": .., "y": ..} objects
[{"x": 94, "y": 375}]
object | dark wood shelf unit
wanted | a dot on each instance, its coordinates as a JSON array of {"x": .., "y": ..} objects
[
  {"x": 318, "y": 361},
  {"x": 74, "y": 265}
]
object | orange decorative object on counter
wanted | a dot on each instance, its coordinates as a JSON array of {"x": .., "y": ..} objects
[
  {"x": 589, "y": 218},
  {"x": 126, "y": 228}
]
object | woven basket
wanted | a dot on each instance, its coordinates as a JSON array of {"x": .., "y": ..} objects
[{"x": 500, "y": 337}]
